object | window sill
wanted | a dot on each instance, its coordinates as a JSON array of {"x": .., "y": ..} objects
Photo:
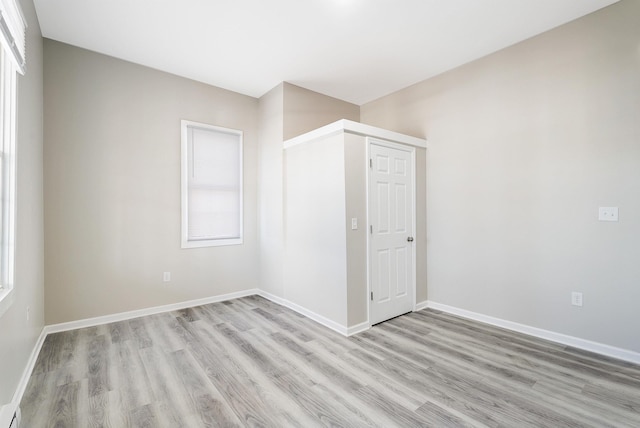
[{"x": 211, "y": 243}]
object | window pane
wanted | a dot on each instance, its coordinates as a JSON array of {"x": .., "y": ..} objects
[
  {"x": 213, "y": 214},
  {"x": 215, "y": 158}
]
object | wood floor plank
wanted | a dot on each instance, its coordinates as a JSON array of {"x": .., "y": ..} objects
[
  {"x": 169, "y": 394},
  {"x": 495, "y": 390},
  {"x": 553, "y": 358},
  {"x": 120, "y": 332},
  {"x": 438, "y": 350},
  {"x": 372, "y": 378},
  {"x": 64, "y": 409},
  {"x": 395, "y": 411},
  {"x": 230, "y": 379},
  {"x": 283, "y": 324},
  {"x": 323, "y": 413},
  {"x": 98, "y": 364},
  {"x": 37, "y": 401},
  {"x": 106, "y": 410},
  {"x": 205, "y": 400},
  {"x": 228, "y": 315},
  {"x": 361, "y": 414},
  {"x": 250, "y": 362},
  {"x": 50, "y": 353},
  {"x": 286, "y": 361},
  {"x": 205, "y": 313},
  {"x": 600, "y": 414},
  {"x": 339, "y": 377},
  {"x": 261, "y": 371},
  {"x": 445, "y": 384},
  {"x": 542, "y": 350},
  {"x": 517, "y": 360},
  {"x": 187, "y": 314},
  {"x": 141, "y": 336},
  {"x": 130, "y": 379},
  {"x": 164, "y": 331},
  {"x": 261, "y": 302},
  {"x": 446, "y": 418},
  {"x": 144, "y": 417}
]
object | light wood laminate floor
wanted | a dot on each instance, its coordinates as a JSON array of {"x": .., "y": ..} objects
[{"x": 250, "y": 362}]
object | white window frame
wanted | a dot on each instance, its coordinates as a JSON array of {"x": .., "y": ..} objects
[
  {"x": 12, "y": 62},
  {"x": 185, "y": 125}
]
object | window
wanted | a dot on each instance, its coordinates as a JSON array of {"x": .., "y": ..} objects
[
  {"x": 211, "y": 185},
  {"x": 12, "y": 61}
]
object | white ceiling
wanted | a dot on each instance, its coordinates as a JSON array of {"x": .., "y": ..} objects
[{"x": 355, "y": 50}]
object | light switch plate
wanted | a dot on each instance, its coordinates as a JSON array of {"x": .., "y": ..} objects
[
  {"x": 608, "y": 213},
  {"x": 354, "y": 223},
  {"x": 576, "y": 298}
]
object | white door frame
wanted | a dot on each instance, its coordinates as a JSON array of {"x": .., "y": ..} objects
[{"x": 412, "y": 150}]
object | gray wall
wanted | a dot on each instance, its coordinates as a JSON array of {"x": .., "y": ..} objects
[
  {"x": 305, "y": 110},
  {"x": 112, "y": 187},
  {"x": 355, "y": 193},
  {"x": 285, "y": 112},
  {"x": 17, "y": 335},
  {"x": 524, "y": 145}
]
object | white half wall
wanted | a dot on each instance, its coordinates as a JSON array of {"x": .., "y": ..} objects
[{"x": 315, "y": 228}]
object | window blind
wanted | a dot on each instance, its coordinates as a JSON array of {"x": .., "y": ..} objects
[{"x": 214, "y": 185}]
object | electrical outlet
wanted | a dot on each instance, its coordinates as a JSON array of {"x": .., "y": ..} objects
[
  {"x": 608, "y": 213},
  {"x": 166, "y": 277},
  {"x": 576, "y": 298}
]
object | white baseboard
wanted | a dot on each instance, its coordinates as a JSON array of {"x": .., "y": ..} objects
[
  {"x": 7, "y": 411},
  {"x": 26, "y": 374},
  {"x": 358, "y": 328},
  {"x": 122, "y": 316},
  {"x": 346, "y": 331},
  {"x": 576, "y": 342},
  {"x": 421, "y": 305}
]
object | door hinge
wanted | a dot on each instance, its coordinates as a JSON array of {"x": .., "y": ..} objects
[
  {"x": 372, "y": 296},
  {"x": 371, "y": 229},
  {"x": 370, "y": 163}
]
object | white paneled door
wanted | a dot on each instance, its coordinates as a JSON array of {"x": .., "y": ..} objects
[{"x": 391, "y": 217}]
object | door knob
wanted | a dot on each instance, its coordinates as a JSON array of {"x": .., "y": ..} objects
[{"x": 410, "y": 239}]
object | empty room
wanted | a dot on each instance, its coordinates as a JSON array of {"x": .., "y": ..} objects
[{"x": 340, "y": 213}]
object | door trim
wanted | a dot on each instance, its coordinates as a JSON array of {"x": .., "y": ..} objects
[{"x": 412, "y": 151}]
